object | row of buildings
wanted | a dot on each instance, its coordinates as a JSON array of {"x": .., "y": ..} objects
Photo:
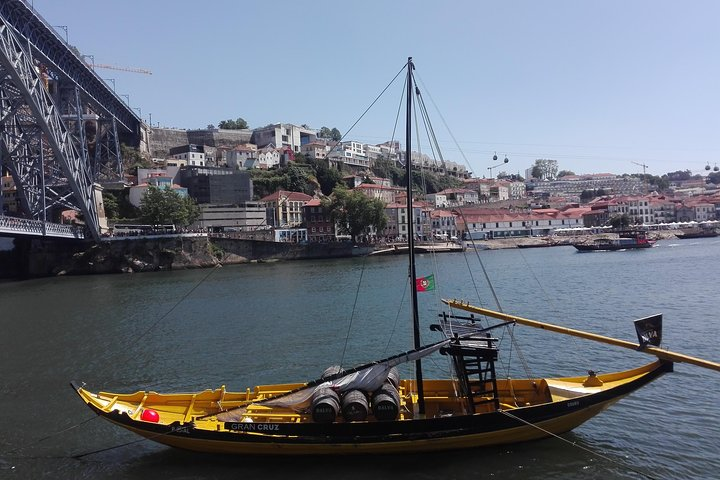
[
  {"x": 217, "y": 176},
  {"x": 276, "y": 144}
]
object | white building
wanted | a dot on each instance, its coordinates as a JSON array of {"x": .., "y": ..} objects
[
  {"x": 192, "y": 155},
  {"x": 268, "y": 157},
  {"x": 242, "y": 157},
  {"x": 283, "y": 135}
]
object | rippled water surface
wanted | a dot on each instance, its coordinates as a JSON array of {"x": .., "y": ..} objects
[{"x": 250, "y": 324}]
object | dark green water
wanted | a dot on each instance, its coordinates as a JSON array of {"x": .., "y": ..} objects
[{"x": 253, "y": 324}]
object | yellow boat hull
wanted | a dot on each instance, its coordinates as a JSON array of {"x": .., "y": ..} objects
[{"x": 217, "y": 421}]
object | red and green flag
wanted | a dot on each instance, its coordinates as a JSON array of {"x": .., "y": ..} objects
[{"x": 424, "y": 284}]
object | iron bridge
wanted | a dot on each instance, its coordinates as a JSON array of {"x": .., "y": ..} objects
[{"x": 60, "y": 128}]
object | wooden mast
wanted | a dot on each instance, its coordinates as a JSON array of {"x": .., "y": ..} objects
[
  {"x": 411, "y": 235},
  {"x": 658, "y": 352}
]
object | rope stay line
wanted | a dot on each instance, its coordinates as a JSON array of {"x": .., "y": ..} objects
[{"x": 576, "y": 445}]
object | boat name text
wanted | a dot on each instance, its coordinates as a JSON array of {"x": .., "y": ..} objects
[{"x": 252, "y": 427}]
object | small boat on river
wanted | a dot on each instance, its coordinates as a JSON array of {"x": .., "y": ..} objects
[
  {"x": 369, "y": 409},
  {"x": 697, "y": 232},
  {"x": 624, "y": 241}
]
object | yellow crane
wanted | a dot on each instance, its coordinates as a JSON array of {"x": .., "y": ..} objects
[{"x": 123, "y": 69}]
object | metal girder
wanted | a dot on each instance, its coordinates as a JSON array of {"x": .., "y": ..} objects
[
  {"x": 27, "y": 105},
  {"x": 48, "y": 48}
]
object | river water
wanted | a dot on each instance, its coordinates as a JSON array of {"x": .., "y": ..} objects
[{"x": 263, "y": 323}]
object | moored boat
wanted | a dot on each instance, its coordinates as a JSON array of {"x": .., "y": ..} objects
[
  {"x": 368, "y": 409},
  {"x": 690, "y": 233},
  {"x": 624, "y": 241}
]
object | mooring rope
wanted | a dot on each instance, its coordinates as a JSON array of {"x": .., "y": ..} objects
[
  {"x": 581, "y": 447},
  {"x": 49, "y": 436},
  {"x": 148, "y": 330}
]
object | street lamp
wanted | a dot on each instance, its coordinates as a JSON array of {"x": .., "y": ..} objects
[
  {"x": 110, "y": 80},
  {"x": 495, "y": 157}
]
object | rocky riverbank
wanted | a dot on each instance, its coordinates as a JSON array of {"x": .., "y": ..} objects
[{"x": 43, "y": 257}]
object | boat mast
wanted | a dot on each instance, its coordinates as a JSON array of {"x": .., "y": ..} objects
[{"x": 411, "y": 235}]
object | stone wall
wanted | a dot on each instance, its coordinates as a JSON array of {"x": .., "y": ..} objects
[
  {"x": 50, "y": 257},
  {"x": 163, "y": 139}
]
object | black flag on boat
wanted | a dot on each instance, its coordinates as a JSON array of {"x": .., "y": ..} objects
[{"x": 649, "y": 330}]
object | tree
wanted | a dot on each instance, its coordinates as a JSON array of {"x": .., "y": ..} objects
[
  {"x": 164, "y": 206},
  {"x": 326, "y": 176},
  {"x": 714, "y": 177},
  {"x": 111, "y": 206},
  {"x": 133, "y": 159},
  {"x": 587, "y": 195},
  {"x": 620, "y": 222},
  {"x": 239, "y": 124},
  {"x": 545, "y": 169},
  {"x": 679, "y": 175},
  {"x": 354, "y": 212},
  {"x": 332, "y": 134},
  {"x": 298, "y": 179},
  {"x": 536, "y": 172},
  {"x": 565, "y": 173}
]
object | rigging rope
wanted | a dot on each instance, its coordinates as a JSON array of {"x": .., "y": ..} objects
[
  {"x": 352, "y": 312},
  {"x": 574, "y": 444},
  {"x": 135, "y": 339},
  {"x": 402, "y": 70}
]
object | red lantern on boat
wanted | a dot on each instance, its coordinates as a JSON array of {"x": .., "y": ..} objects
[{"x": 150, "y": 415}]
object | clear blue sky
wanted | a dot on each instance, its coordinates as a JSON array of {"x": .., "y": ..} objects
[{"x": 593, "y": 85}]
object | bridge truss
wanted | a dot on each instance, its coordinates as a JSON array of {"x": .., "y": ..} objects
[{"x": 60, "y": 124}]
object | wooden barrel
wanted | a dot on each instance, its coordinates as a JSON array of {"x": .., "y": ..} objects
[
  {"x": 386, "y": 402},
  {"x": 325, "y": 405},
  {"x": 355, "y": 406}
]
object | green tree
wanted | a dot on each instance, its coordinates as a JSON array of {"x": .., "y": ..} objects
[
  {"x": 164, "y": 206},
  {"x": 298, "y": 179},
  {"x": 536, "y": 172},
  {"x": 385, "y": 168},
  {"x": 239, "y": 124},
  {"x": 587, "y": 195},
  {"x": 327, "y": 177},
  {"x": 133, "y": 159},
  {"x": 354, "y": 212},
  {"x": 714, "y": 177},
  {"x": 565, "y": 173},
  {"x": 110, "y": 203},
  {"x": 545, "y": 169},
  {"x": 332, "y": 134},
  {"x": 620, "y": 222}
]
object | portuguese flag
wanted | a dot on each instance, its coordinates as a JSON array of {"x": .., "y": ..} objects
[{"x": 424, "y": 284}]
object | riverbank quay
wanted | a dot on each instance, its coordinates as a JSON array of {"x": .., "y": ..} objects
[
  {"x": 45, "y": 258},
  {"x": 554, "y": 241},
  {"x": 135, "y": 254}
]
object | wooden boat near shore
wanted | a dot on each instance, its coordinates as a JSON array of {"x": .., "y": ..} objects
[
  {"x": 698, "y": 232},
  {"x": 368, "y": 409},
  {"x": 624, "y": 241},
  {"x": 436, "y": 247}
]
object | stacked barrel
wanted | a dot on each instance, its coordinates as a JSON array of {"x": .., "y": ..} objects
[{"x": 356, "y": 405}]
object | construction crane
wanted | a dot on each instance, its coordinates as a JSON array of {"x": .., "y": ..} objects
[
  {"x": 644, "y": 177},
  {"x": 123, "y": 69}
]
